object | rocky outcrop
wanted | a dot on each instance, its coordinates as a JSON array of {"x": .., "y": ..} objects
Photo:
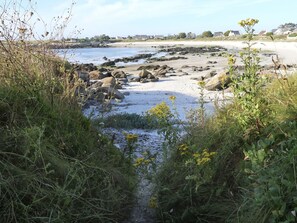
[{"x": 194, "y": 50}]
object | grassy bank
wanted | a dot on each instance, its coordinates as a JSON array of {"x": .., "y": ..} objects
[
  {"x": 240, "y": 164},
  {"x": 54, "y": 165}
]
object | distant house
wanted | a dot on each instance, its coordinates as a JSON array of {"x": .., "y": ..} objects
[
  {"x": 282, "y": 31},
  {"x": 218, "y": 34},
  {"x": 262, "y": 33},
  {"x": 141, "y": 37},
  {"x": 159, "y": 37},
  {"x": 234, "y": 33},
  {"x": 273, "y": 31}
]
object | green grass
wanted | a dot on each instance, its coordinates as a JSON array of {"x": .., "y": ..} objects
[
  {"x": 127, "y": 121},
  {"x": 252, "y": 177}
]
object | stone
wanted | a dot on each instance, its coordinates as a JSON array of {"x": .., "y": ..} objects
[
  {"x": 144, "y": 73},
  {"x": 108, "y": 82},
  {"x": 149, "y": 67},
  {"x": 83, "y": 75},
  {"x": 118, "y": 74},
  {"x": 218, "y": 82},
  {"x": 96, "y": 75}
]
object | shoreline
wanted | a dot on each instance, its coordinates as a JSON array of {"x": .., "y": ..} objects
[
  {"x": 181, "y": 80},
  {"x": 286, "y": 50}
]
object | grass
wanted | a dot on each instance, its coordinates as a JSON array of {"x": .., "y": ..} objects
[
  {"x": 54, "y": 164},
  {"x": 252, "y": 177},
  {"x": 127, "y": 121}
]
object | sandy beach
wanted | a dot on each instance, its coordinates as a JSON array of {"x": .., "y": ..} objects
[{"x": 182, "y": 80}]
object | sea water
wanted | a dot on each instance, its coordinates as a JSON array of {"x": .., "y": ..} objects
[{"x": 97, "y": 55}]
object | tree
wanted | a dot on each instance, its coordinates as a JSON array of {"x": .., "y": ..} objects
[
  {"x": 191, "y": 35},
  {"x": 227, "y": 33},
  {"x": 207, "y": 34},
  {"x": 182, "y": 35}
]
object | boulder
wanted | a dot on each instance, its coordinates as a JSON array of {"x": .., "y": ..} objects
[
  {"x": 149, "y": 67},
  {"x": 108, "y": 82},
  {"x": 144, "y": 73},
  {"x": 118, "y": 74},
  {"x": 218, "y": 82},
  {"x": 96, "y": 75},
  {"x": 84, "y": 75},
  {"x": 108, "y": 64}
]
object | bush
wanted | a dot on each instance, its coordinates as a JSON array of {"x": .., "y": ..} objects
[
  {"x": 207, "y": 34},
  {"x": 55, "y": 167},
  {"x": 241, "y": 165}
]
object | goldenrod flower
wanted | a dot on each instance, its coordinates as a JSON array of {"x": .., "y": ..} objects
[{"x": 172, "y": 98}]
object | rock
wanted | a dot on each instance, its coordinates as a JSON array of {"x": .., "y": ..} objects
[
  {"x": 161, "y": 72},
  {"x": 211, "y": 62},
  {"x": 108, "y": 82},
  {"x": 122, "y": 80},
  {"x": 96, "y": 85},
  {"x": 144, "y": 73},
  {"x": 154, "y": 80},
  {"x": 118, "y": 74},
  {"x": 108, "y": 64},
  {"x": 149, "y": 67},
  {"x": 218, "y": 82},
  {"x": 84, "y": 75},
  {"x": 96, "y": 75},
  {"x": 135, "y": 79},
  {"x": 143, "y": 80},
  {"x": 212, "y": 73}
]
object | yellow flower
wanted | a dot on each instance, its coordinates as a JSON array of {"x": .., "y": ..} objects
[
  {"x": 204, "y": 157},
  {"x": 160, "y": 111},
  {"x": 153, "y": 202},
  {"x": 183, "y": 149},
  {"x": 201, "y": 84},
  {"x": 139, "y": 161},
  {"x": 172, "y": 98}
]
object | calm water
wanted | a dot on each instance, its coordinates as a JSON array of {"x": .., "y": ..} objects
[{"x": 95, "y": 55}]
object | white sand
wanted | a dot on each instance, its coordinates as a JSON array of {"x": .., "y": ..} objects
[{"x": 144, "y": 96}]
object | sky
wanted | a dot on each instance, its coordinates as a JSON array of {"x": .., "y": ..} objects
[{"x": 161, "y": 17}]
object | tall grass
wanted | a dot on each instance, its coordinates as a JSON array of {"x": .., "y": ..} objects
[
  {"x": 240, "y": 166},
  {"x": 54, "y": 165}
]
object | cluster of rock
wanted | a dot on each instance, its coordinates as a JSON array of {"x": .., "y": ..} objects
[
  {"x": 104, "y": 83},
  {"x": 151, "y": 73},
  {"x": 193, "y": 50},
  {"x": 135, "y": 58},
  {"x": 101, "y": 83}
]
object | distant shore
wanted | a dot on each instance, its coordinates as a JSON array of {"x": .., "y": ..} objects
[{"x": 287, "y": 51}]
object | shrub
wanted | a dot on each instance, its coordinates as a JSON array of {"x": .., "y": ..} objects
[
  {"x": 207, "y": 34},
  {"x": 55, "y": 167}
]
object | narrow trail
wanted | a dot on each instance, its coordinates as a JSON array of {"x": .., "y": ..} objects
[{"x": 148, "y": 140}]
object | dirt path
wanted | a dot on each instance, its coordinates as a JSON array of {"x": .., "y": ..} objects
[{"x": 151, "y": 141}]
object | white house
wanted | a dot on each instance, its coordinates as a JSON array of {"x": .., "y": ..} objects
[{"x": 234, "y": 33}]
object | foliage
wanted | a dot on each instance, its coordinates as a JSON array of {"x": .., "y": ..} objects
[
  {"x": 207, "y": 34},
  {"x": 240, "y": 166},
  {"x": 246, "y": 86},
  {"x": 55, "y": 166},
  {"x": 227, "y": 33},
  {"x": 127, "y": 121},
  {"x": 292, "y": 35},
  {"x": 182, "y": 35}
]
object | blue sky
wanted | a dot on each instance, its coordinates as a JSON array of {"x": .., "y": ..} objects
[{"x": 130, "y": 17}]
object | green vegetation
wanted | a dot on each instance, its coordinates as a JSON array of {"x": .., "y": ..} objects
[
  {"x": 293, "y": 35},
  {"x": 127, "y": 121},
  {"x": 54, "y": 165},
  {"x": 207, "y": 34},
  {"x": 240, "y": 164}
]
